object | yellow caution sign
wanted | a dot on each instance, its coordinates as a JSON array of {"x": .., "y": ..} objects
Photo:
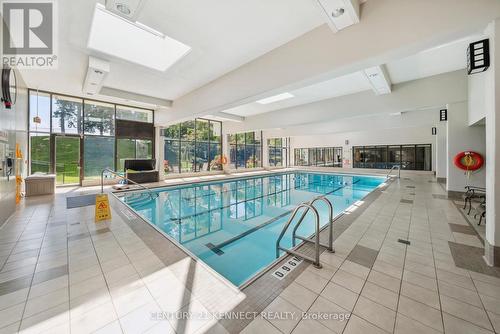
[{"x": 102, "y": 209}]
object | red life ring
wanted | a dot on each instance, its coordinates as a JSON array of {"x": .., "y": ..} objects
[{"x": 468, "y": 160}]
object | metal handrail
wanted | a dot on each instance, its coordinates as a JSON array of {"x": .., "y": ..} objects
[
  {"x": 392, "y": 168},
  {"x": 314, "y": 260},
  {"x": 151, "y": 193},
  {"x": 329, "y": 247}
]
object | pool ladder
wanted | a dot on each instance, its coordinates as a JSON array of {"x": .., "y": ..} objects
[
  {"x": 309, "y": 206},
  {"x": 398, "y": 167}
]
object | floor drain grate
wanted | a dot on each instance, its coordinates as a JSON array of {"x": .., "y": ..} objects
[{"x": 403, "y": 241}]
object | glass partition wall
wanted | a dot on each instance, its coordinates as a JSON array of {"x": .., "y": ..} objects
[
  {"x": 245, "y": 150},
  {"x": 410, "y": 157},
  {"x": 77, "y": 138},
  {"x": 193, "y": 146},
  {"x": 318, "y": 156},
  {"x": 277, "y": 149}
]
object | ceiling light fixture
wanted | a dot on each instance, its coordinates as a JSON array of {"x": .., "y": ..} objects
[
  {"x": 275, "y": 98},
  {"x": 338, "y": 12},
  {"x": 123, "y": 8}
]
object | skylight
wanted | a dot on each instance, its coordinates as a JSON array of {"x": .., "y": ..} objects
[
  {"x": 275, "y": 98},
  {"x": 133, "y": 41}
]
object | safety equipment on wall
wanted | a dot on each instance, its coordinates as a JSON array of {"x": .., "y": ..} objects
[{"x": 468, "y": 161}]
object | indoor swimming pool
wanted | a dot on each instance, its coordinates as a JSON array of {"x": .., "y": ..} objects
[{"x": 233, "y": 225}]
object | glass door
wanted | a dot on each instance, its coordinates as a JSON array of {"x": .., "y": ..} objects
[{"x": 67, "y": 159}]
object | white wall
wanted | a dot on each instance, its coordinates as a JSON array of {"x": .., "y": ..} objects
[
  {"x": 462, "y": 137},
  {"x": 419, "y": 135}
]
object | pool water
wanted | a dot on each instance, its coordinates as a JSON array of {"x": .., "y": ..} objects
[{"x": 233, "y": 225}]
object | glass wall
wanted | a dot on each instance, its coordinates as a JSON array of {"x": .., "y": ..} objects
[
  {"x": 193, "y": 146},
  {"x": 277, "y": 149},
  {"x": 318, "y": 156},
  {"x": 410, "y": 157},
  {"x": 245, "y": 150},
  {"x": 94, "y": 124}
]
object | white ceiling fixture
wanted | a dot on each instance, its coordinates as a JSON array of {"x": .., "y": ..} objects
[
  {"x": 379, "y": 79},
  {"x": 132, "y": 41},
  {"x": 126, "y": 8},
  {"x": 275, "y": 98},
  {"x": 97, "y": 71},
  {"x": 340, "y": 14}
]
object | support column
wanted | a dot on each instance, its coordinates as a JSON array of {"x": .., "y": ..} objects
[
  {"x": 492, "y": 242},
  {"x": 441, "y": 152}
]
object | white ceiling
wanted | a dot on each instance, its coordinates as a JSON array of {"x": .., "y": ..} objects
[
  {"x": 344, "y": 85},
  {"x": 445, "y": 58},
  {"x": 223, "y": 35}
]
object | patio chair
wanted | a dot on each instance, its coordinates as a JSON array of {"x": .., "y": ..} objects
[
  {"x": 480, "y": 210},
  {"x": 473, "y": 194}
]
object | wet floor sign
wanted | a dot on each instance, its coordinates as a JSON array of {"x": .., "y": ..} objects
[{"x": 102, "y": 209}]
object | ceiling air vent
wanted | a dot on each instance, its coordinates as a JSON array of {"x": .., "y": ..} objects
[{"x": 96, "y": 73}]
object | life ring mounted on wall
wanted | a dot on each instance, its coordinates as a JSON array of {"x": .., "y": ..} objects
[{"x": 468, "y": 161}]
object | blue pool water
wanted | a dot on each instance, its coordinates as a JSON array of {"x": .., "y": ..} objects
[{"x": 233, "y": 225}]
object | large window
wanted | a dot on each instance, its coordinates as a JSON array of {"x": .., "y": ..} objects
[
  {"x": 277, "y": 149},
  {"x": 193, "y": 146},
  {"x": 95, "y": 128},
  {"x": 245, "y": 150},
  {"x": 411, "y": 157},
  {"x": 132, "y": 149},
  {"x": 318, "y": 156}
]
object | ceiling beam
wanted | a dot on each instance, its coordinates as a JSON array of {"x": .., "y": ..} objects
[
  {"x": 390, "y": 29},
  {"x": 124, "y": 95},
  {"x": 408, "y": 96}
]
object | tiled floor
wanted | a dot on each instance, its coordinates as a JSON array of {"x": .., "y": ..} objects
[{"x": 61, "y": 272}]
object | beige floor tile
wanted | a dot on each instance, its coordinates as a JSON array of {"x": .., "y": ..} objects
[
  {"x": 331, "y": 259},
  {"x": 377, "y": 314},
  {"x": 111, "y": 328},
  {"x": 453, "y": 278},
  {"x": 420, "y": 280},
  {"x": 347, "y": 280},
  {"x": 388, "y": 269},
  {"x": 488, "y": 289},
  {"x": 47, "y": 321},
  {"x": 46, "y": 301},
  {"x": 94, "y": 319},
  {"x": 355, "y": 269},
  {"x": 385, "y": 281},
  {"x": 458, "y": 326},
  {"x": 131, "y": 301},
  {"x": 312, "y": 280},
  {"x": 357, "y": 325},
  {"x": 260, "y": 326},
  {"x": 141, "y": 319},
  {"x": 13, "y": 298},
  {"x": 420, "y": 312},
  {"x": 420, "y": 294},
  {"x": 311, "y": 326},
  {"x": 299, "y": 296},
  {"x": 380, "y": 295},
  {"x": 340, "y": 295},
  {"x": 464, "y": 295},
  {"x": 465, "y": 311},
  {"x": 11, "y": 314},
  {"x": 284, "y": 324},
  {"x": 336, "y": 316},
  {"x": 406, "y": 325}
]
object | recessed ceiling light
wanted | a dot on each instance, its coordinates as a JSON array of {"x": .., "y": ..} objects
[
  {"x": 338, "y": 12},
  {"x": 275, "y": 98},
  {"x": 123, "y": 8}
]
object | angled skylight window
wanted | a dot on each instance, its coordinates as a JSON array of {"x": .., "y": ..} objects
[
  {"x": 275, "y": 98},
  {"x": 133, "y": 41}
]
